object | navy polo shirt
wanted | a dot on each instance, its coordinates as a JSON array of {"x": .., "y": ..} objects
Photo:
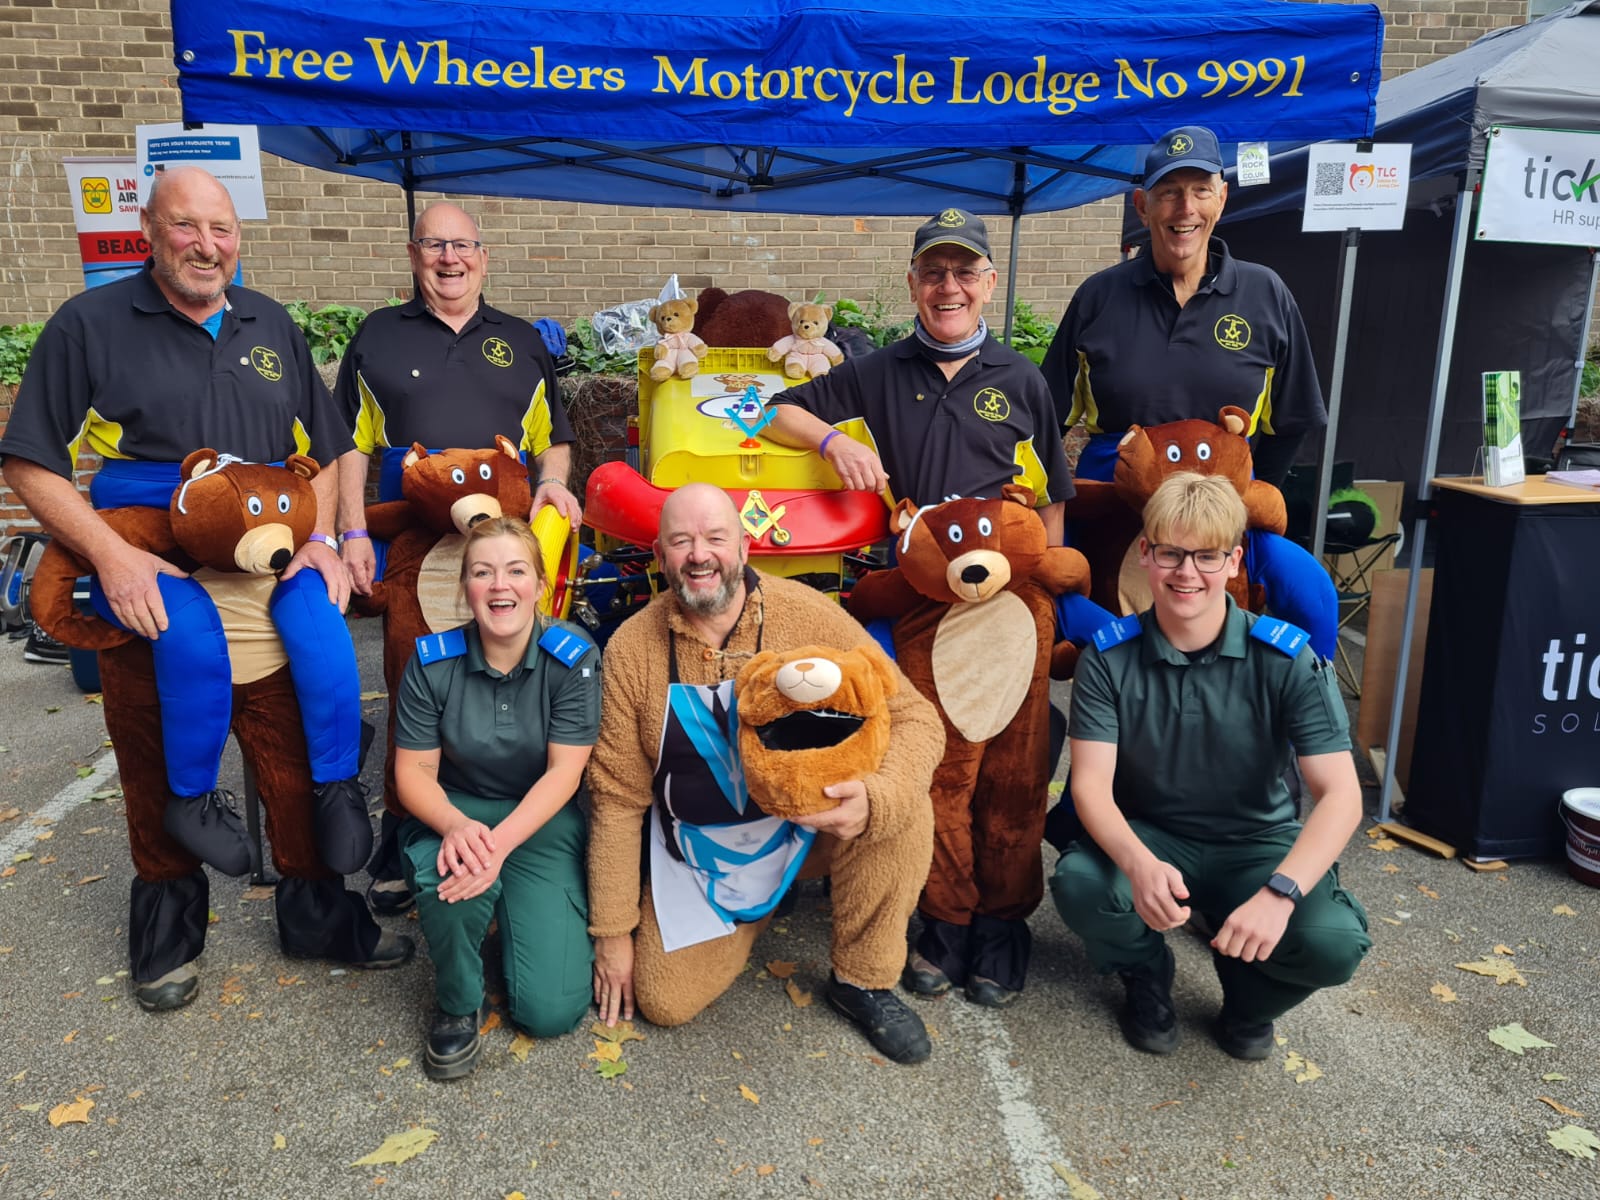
[
  {"x": 1126, "y": 353},
  {"x": 1202, "y": 744},
  {"x": 408, "y": 377},
  {"x": 970, "y": 436},
  {"x": 120, "y": 372},
  {"x": 494, "y": 730}
]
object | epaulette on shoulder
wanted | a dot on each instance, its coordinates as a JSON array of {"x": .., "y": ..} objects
[
  {"x": 1115, "y": 632},
  {"x": 436, "y": 647},
  {"x": 1283, "y": 637},
  {"x": 564, "y": 645}
]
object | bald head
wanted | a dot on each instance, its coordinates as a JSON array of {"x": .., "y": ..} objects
[
  {"x": 444, "y": 220},
  {"x": 182, "y": 187},
  {"x": 702, "y": 548},
  {"x": 449, "y": 262},
  {"x": 193, "y": 233},
  {"x": 698, "y": 504}
]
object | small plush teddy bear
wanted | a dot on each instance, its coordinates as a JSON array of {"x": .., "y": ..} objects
[
  {"x": 806, "y": 351},
  {"x": 679, "y": 351}
]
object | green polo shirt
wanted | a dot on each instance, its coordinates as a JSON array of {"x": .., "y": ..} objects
[
  {"x": 1202, "y": 744},
  {"x": 492, "y": 728}
]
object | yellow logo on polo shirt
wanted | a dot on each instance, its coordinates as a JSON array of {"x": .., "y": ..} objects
[
  {"x": 991, "y": 404},
  {"x": 96, "y": 193},
  {"x": 1232, "y": 332},
  {"x": 267, "y": 363},
  {"x": 950, "y": 218},
  {"x": 497, "y": 350}
]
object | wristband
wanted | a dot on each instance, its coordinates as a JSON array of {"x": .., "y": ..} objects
[
  {"x": 822, "y": 448},
  {"x": 351, "y": 535},
  {"x": 325, "y": 540},
  {"x": 549, "y": 479}
]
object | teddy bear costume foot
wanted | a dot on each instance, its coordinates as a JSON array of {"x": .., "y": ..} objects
[{"x": 209, "y": 827}]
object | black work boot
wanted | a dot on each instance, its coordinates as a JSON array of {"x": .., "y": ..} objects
[
  {"x": 453, "y": 1045},
  {"x": 1148, "y": 1019},
  {"x": 893, "y": 1029},
  {"x": 344, "y": 831},
  {"x": 1247, "y": 1040},
  {"x": 209, "y": 827}
]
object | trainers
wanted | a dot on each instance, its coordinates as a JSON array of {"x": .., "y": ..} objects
[
  {"x": 209, "y": 827},
  {"x": 386, "y": 897},
  {"x": 42, "y": 648},
  {"x": 1148, "y": 1019},
  {"x": 453, "y": 1045},
  {"x": 344, "y": 831},
  {"x": 173, "y": 990},
  {"x": 893, "y": 1029},
  {"x": 393, "y": 950},
  {"x": 1240, "y": 1039},
  {"x": 922, "y": 978},
  {"x": 990, "y": 994}
]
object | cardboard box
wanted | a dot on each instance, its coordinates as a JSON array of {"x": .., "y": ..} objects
[{"x": 1380, "y": 660}]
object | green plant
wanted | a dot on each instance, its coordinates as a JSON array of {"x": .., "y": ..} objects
[
  {"x": 329, "y": 329},
  {"x": 1590, "y": 385},
  {"x": 1031, "y": 334},
  {"x": 875, "y": 320},
  {"x": 583, "y": 347},
  {"x": 16, "y": 343}
]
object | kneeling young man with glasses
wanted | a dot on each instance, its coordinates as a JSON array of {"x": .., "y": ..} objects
[{"x": 1183, "y": 719}]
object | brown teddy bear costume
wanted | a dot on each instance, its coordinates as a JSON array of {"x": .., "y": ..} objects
[
  {"x": 971, "y": 596},
  {"x": 221, "y": 526}
]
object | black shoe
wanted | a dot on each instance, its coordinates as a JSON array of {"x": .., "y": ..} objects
[
  {"x": 453, "y": 1045},
  {"x": 1148, "y": 1019},
  {"x": 344, "y": 831},
  {"x": 210, "y": 828},
  {"x": 990, "y": 994},
  {"x": 387, "y": 897},
  {"x": 1251, "y": 1042},
  {"x": 173, "y": 990},
  {"x": 922, "y": 978},
  {"x": 393, "y": 950},
  {"x": 893, "y": 1029},
  {"x": 42, "y": 648}
]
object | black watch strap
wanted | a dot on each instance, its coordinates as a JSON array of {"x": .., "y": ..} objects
[{"x": 1285, "y": 887}]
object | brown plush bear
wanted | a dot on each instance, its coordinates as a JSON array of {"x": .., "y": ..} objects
[
  {"x": 679, "y": 351},
  {"x": 811, "y": 717},
  {"x": 806, "y": 350},
  {"x": 748, "y": 318},
  {"x": 1108, "y": 517},
  {"x": 971, "y": 595},
  {"x": 420, "y": 593}
]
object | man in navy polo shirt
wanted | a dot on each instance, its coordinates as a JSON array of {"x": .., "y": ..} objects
[
  {"x": 445, "y": 370},
  {"x": 1180, "y": 331}
]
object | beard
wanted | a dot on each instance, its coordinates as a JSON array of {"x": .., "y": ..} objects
[
  {"x": 169, "y": 268},
  {"x": 707, "y": 604}
]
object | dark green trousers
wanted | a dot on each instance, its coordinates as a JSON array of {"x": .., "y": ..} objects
[
  {"x": 1322, "y": 946},
  {"x": 541, "y": 903}
]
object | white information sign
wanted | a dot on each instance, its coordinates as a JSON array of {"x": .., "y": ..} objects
[
  {"x": 230, "y": 152},
  {"x": 1541, "y": 185},
  {"x": 1348, "y": 189},
  {"x": 1252, "y": 167}
]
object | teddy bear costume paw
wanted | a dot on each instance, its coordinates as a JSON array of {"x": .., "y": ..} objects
[{"x": 209, "y": 827}]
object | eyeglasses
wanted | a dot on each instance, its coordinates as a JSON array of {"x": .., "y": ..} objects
[
  {"x": 433, "y": 247},
  {"x": 965, "y": 276},
  {"x": 1171, "y": 558}
]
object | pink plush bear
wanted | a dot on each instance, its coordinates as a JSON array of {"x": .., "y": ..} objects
[
  {"x": 679, "y": 350},
  {"x": 805, "y": 351}
]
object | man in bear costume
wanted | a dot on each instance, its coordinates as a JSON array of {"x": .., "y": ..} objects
[
  {"x": 141, "y": 371},
  {"x": 668, "y": 751},
  {"x": 972, "y": 595}
]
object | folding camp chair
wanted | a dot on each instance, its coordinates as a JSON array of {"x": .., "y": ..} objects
[{"x": 1350, "y": 565}]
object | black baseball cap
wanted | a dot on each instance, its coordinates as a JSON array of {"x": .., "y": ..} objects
[
  {"x": 952, "y": 227},
  {"x": 1187, "y": 146}
]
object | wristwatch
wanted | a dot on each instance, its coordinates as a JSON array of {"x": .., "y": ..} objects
[{"x": 1282, "y": 885}]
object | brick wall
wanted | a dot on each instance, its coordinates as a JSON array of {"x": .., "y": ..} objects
[{"x": 77, "y": 77}]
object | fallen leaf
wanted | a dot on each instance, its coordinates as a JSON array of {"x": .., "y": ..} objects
[
  {"x": 1553, "y": 1077},
  {"x": 1574, "y": 1140},
  {"x": 1390, "y": 869},
  {"x": 1446, "y": 996},
  {"x": 622, "y": 1031},
  {"x": 520, "y": 1046},
  {"x": 515, "y": 1196},
  {"x": 749, "y": 1095},
  {"x": 813, "y": 1141},
  {"x": 289, "y": 980},
  {"x": 1076, "y": 1187},
  {"x": 1391, "y": 921},
  {"x": 610, "y": 1070},
  {"x": 765, "y": 1169},
  {"x": 83, "y": 772},
  {"x": 9, "y": 814},
  {"x": 1559, "y": 1107},
  {"x": 1385, "y": 844},
  {"x": 279, "y": 1142},
  {"x": 94, "y": 698},
  {"x": 1515, "y": 1038},
  {"x": 55, "y": 708},
  {"x": 779, "y": 969},
  {"x": 71, "y": 1037},
  {"x": 77, "y": 1113},
  {"x": 1564, "y": 910},
  {"x": 1502, "y": 948},
  {"x": 1056, "y": 788},
  {"x": 258, "y": 893},
  {"x": 111, "y": 793},
  {"x": 399, "y": 1147},
  {"x": 92, "y": 829},
  {"x": 211, "y": 916},
  {"x": 491, "y": 1022},
  {"x": 1497, "y": 969},
  {"x": 47, "y": 860},
  {"x": 1303, "y": 1069},
  {"x": 374, "y": 695},
  {"x": 1427, "y": 891},
  {"x": 606, "y": 1051},
  {"x": 8, "y": 873},
  {"x": 25, "y": 856},
  {"x": 801, "y": 999}
]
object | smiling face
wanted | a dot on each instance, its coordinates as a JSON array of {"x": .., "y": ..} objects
[
  {"x": 193, "y": 233},
  {"x": 500, "y": 576},
  {"x": 451, "y": 283},
  {"x": 948, "y": 308},
  {"x": 1184, "y": 595},
  {"x": 1180, "y": 212},
  {"x": 702, "y": 549}
]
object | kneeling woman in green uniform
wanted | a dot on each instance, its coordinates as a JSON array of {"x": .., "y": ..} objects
[{"x": 494, "y": 724}]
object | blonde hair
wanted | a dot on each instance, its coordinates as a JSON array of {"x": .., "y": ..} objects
[
  {"x": 1204, "y": 507},
  {"x": 514, "y": 527}
]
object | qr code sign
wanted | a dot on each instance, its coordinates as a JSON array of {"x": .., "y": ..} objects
[{"x": 1330, "y": 179}]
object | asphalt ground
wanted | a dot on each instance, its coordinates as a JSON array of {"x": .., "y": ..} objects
[{"x": 283, "y": 1073}]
